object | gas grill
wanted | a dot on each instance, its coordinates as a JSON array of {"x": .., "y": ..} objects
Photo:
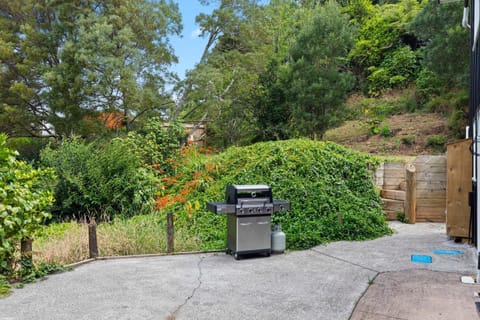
[{"x": 248, "y": 209}]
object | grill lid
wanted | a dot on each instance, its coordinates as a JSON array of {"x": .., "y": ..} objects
[
  {"x": 235, "y": 193},
  {"x": 248, "y": 200}
]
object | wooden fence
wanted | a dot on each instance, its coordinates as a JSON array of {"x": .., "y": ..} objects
[{"x": 427, "y": 191}]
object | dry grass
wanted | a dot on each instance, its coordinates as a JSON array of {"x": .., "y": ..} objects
[
  {"x": 67, "y": 243},
  {"x": 62, "y": 247},
  {"x": 413, "y": 128},
  {"x": 407, "y": 132}
]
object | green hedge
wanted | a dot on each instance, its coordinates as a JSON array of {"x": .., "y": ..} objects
[
  {"x": 321, "y": 180},
  {"x": 98, "y": 180}
]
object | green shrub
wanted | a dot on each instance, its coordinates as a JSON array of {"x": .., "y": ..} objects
[
  {"x": 156, "y": 144},
  {"x": 457, "y": 122},
  {"x": 401, "y": 217},
  {"x": 378, "y": 80},
  {"x": 374, "y": 125},
  {"x": 99, "y": 180},
  {"x": 428, "y": 85},
  {"x": 437, "y": 142},
  {"x": 4, "y": 286},
  {"x": 397, "y": 70},
  {"x": 408, "y": 140},
  {"x": 385, "y": 131},
  {"x": 382, "y": 110},
  {"x": 25, "y": 194},
  {"x": 320, "y": 180}
]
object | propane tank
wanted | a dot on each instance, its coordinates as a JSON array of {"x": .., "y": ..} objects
[{"x": 278, "y": 239}]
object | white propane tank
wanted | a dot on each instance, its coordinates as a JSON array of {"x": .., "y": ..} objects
[{"x": 278, "y": 239}]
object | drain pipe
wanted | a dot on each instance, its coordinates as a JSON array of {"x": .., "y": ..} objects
[
  {"x": 474, "y": 116},
  {"x": 465, "y": 15}
]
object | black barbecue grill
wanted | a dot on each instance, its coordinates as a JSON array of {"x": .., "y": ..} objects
[{"x": 248, "y": 209}]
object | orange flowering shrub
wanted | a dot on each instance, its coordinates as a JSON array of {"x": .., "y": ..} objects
[{"x": 189, "y": 173}]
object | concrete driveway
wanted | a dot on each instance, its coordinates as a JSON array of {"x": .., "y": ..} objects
[{"x": 326, "y": 282}]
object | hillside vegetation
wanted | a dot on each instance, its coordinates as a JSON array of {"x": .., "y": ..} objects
[
  {"x": 270, "y": 70},
  {"x": 394, "y": 124}
]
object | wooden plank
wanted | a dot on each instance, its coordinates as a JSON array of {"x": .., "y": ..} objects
[
  {"x": 393, "y": 194},
  {"x": 430, "y": 160},
  {"x": 392, "y": 186},
  {"x": 393, "y": 181},
  {"x": 393, "y": 205},
  {"x": 432, "y": 186},
  {"x": 431, "y": 219},
  {"x": 431, "y": 176},
  {"x": 394, "y": 166},
  {"x": 459, "y": 184},
  {"x": 436, "y": 213},
  {"x": 431, "y": 194},
  {"x": 432, "y": 209},
  {"x": 431, "y": 168},
  {"x": 431, "y": 203},
  {"x": 397, "y": 174},
  {"x": 390, "y": 215}
]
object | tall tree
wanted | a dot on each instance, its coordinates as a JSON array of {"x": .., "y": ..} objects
[
  {"x": 64, "y": 62},
  {"x": 382, "y": 30},
  {"x": 219, "y": 88},
  {"x": 447, "y": 50},
  {"x": 319, "y": 80}
]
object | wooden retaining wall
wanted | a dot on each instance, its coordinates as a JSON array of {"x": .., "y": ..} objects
[{"x": 430, "y": 174}]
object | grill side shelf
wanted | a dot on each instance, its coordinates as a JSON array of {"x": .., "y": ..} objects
[{"x": 220, "y": 207}]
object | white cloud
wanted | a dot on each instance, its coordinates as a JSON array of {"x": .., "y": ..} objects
[{"x": 196, "y": 33}]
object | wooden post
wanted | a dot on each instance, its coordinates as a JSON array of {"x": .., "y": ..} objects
[
  {"x": 411, "y": 193},
  {"x": 26, "y": 248},
  {"x": 92, "y": 241},
  {"x": 170, "y": 232}
]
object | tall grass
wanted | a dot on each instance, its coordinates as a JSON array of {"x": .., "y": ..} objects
[
  {"x": 65, "y": 243},
  {"x": 62, "y": 243}
]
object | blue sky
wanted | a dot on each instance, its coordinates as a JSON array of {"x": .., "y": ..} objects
[{"x": 189, "y": 48}]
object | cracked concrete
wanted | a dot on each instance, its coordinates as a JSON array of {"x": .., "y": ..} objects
[
  {"x": 173, "y": 314},
  {"x": 344, "y": 260},
  {"x": 325, "y": 282}
]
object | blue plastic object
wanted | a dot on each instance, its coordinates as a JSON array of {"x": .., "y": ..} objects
[
  {"x": 421, "y": 258},
  {"x": 447, "y": 252}
]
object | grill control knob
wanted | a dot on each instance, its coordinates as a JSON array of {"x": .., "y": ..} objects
[
  {"x": 250, "y": 210},
  {"x": 240, "y": 211}
]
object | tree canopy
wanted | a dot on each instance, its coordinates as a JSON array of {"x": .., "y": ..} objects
[
  {"x": 66, "y": 62},
  {"x": 269, "y": 70}
]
